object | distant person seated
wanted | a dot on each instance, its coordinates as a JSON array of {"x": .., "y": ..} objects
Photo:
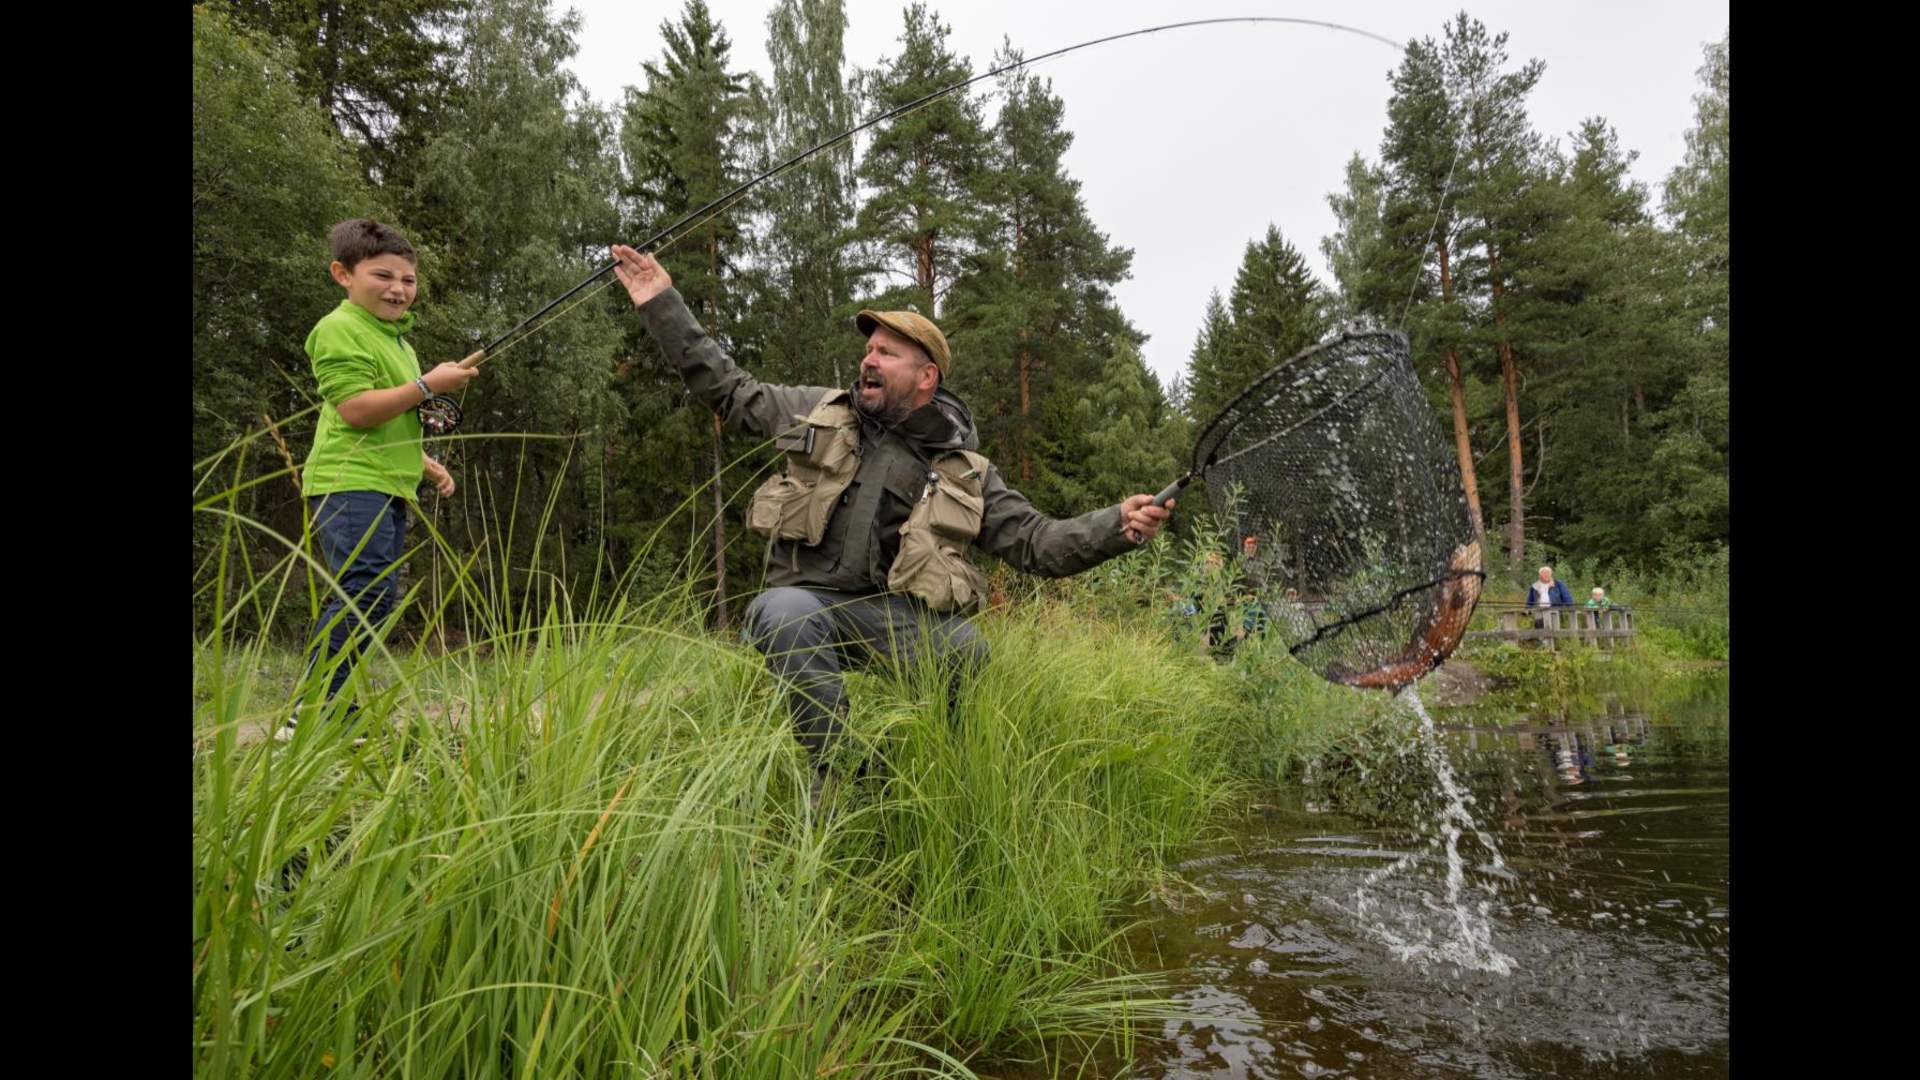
[
  {"x": 1548, "y": 592},
  {"x": 1295, "y": 617}
]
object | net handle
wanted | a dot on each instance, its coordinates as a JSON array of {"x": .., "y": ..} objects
[
  {"x": 1166, "y": 493},
  {"x": 1172, "y": 489}
]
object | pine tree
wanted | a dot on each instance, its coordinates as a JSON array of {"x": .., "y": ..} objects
[
  {"x": 802, "y": 279},
  {"x": 1498, "y": 156},
  {"x": 1590, "y": 309},
  {"x": 1122, "y": 436},
  {"x": 1208, "y": 383},
  {"x": 1691, "y": 458},
  {"x": 922, "y": 220},
  {"x": 683, "y": 143},
  {"x": 384, "y": 71},
  {"x": 1277, "y": 307},
  {"x": 513, "y": 204},
  {"x": 270, "y": 175},
  {"x": 1035, "y": 312},
  {"x": 1420, "y": 154},
  {"x": 1355, "y": 249}
]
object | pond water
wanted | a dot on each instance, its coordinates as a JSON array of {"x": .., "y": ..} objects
[{"x": 1324, "y": 939}]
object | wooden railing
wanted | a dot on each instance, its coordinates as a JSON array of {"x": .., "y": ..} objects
[{"x": 1603, "y": 628}]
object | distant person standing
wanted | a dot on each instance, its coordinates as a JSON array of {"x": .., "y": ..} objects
[{"x": 1548, "y": 592}]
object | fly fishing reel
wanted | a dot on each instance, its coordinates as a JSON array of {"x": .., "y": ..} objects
[{"x": 439, "y": 415}]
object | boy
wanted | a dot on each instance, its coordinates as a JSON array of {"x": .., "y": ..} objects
[{"x": 367, "y": 459}]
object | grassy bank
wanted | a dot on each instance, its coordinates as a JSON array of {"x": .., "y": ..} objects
[
  {"x": 585, "y": 850},
  {"x": 576, "y": 842}
]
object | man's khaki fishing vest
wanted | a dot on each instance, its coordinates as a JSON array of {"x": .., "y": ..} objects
[{"x": 823, "y": 453}]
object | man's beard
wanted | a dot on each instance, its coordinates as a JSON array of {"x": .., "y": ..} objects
[{"x": 891, "y": 409}]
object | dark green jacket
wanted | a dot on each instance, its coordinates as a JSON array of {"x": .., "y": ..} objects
[{"x": 863, "y": 534}]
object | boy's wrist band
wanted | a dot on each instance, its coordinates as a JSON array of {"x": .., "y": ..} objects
[{"x": 425, "y": 390}]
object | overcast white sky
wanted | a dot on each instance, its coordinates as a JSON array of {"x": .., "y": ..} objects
[{"x": 1189, "y": 142}]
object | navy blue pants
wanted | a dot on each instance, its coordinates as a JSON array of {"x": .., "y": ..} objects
[{"x": 363, "y": 535}]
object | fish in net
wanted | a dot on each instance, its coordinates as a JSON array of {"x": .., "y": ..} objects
[{"x": 1364, "y": 553}]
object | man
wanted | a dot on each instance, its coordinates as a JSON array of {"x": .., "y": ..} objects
[
  {"x": 884, "y": 491},
  {"x": 1548, "y": 593},
  {"x": 1253, "y": 613}
]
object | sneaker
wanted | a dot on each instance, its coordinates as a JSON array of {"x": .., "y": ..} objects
[{"x": 285, "y": 734}]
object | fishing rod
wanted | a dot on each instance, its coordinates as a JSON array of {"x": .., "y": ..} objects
[
  {"x": 440, "y": 414},
  {"x": 699, "y": 217}
]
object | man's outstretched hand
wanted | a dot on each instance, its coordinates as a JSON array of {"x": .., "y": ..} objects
[{"x": 643, "y": 275}]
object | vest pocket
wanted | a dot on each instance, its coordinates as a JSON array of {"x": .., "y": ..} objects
[
  {"x": 936, "y": 571},
  {"x": 932, "y": 563},
  {"x": 967, "y": 584},
  {"x": 821, "y": 461},
  {"x": 783, "y": 509},
  {"x": 823, "y": 453},
  {"x": 952, "y": 513}
]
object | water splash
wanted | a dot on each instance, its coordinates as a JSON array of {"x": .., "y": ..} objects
[{"x": 1469, "y": 940}]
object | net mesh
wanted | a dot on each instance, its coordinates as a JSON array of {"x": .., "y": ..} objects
[{"x": 1362, "y": 551}]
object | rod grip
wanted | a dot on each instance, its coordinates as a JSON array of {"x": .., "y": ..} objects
[{"x": 478, "y": 355}]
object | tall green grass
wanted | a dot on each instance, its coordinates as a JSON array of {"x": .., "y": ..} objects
[
  {"x": 578, "y": 843},
  {"x": 593, "y": 849}
]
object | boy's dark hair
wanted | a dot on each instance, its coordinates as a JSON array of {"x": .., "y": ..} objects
[{"x": 363, "y": 238}]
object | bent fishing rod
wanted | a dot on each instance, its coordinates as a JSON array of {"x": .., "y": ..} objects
[{"x": 719, "y": 205}]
